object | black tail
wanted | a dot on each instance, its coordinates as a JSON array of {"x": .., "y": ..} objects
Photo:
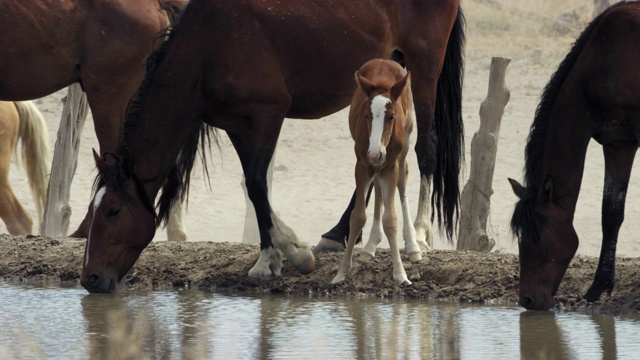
[{"x": 449, "y": 131}]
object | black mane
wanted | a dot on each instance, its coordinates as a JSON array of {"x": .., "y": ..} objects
[
  {"x": 524, "y": 217},
  {"x": 177, "y": 181}
]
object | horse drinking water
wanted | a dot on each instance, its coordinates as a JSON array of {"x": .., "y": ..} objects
[
  {"x": 49, "y": 45},
  {"x": 243, "y": 67},
  {"x": 380, "y": 122},
  {"x": 593, "y": 94}
]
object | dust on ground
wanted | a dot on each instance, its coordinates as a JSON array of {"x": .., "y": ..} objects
[{"x": 445, "y": 276}]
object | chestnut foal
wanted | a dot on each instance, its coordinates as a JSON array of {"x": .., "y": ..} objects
[{"x": 380, "y": 121}]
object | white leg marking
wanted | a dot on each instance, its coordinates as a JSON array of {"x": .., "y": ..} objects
[
  {"x": 175, "y": 226},
  {"x": 422, "y": 225},
  {"x": 411, "y": 246},
  {"x": 375, "y": 238},
  {"x": 269, "y": 264},
  {"x": 297, "y": 252}
]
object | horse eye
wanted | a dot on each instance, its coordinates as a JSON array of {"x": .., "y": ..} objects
[
  {"x": 112, "y": 212},
  {"x": 391, "y": 117}
]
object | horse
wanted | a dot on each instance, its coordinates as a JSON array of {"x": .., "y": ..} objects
[
  {"x": 592, "y": 95},
  {"x": 100, "y": 44},
  {"x": 380, "y": 122},
  {"x": 243, "y": 67},
  {"x": 21, "y": 120}
]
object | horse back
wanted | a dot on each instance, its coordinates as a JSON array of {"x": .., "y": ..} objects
[{"x": 609, "y": 61}]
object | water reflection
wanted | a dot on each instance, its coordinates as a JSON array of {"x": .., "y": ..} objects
[{"x": 59, "y": 323}]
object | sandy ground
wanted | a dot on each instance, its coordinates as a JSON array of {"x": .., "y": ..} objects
[{"x": 313, "y": 177}]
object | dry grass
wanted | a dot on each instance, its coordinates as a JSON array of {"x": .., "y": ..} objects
[{"x": 536, "y": 30}]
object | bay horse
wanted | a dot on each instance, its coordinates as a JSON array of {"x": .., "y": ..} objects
[
  {"x": 381, "y": 122},
  {"x": 21, "y": 120},
  {"x": 243, "y": 67},
  {"x": 101, "y": 44},
  {"x": 593, "y": 94}
]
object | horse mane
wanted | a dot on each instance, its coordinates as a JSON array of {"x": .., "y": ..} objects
[
  {"x": 176, "y": 184},
  {"x": 525, "y": 219}
]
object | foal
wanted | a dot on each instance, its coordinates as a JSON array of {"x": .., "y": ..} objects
[{"x": 380, "y": 122}]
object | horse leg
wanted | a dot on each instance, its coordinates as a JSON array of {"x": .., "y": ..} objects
[
  {"x": 250, "y": 233},
  {"x": 175, "y": 226},
  {"x": 422, "y": 224},
  {"x": 334, "y": 239},
  {"x": 618, "y": 163},
  {"x": 276, "y": 238},
  {"x": 375, "y": 237},
  {"x": 356, "y": 223},
  {"x": 411, "y": 247},
  {"x": 389, "y": 182},
  {"x": 15, "y": 217}
]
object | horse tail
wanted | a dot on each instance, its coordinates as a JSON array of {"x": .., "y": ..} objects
[
  {"x": 449, "y": 131},
  {"x": 176, "y": 185},
  {"x": 36, "y": 154}
]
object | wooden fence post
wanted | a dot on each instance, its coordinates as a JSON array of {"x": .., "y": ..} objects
[
  {"x": 475, "y": 201},
  {"x": 599, "y": 6},
  {"x": 57, "y": 212}
]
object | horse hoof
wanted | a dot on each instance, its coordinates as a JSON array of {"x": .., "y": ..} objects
[
  {"x": 261, "y": 275},
  {"x": 365, "y": 257},
  {"x": 338, "y": 279},
  {"x": 304, "y": 261},
  {"x": 401, "y": 280},
  {"x": 329, "y": 245},
  {"x": 415, "y": 256}
]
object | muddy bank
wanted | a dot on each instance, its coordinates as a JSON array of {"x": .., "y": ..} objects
[{"x": 441, "y": 276}]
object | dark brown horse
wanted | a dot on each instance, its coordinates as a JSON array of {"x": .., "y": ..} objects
[
  {"x": 48, "y": 45},
  {"x": 381, "y": 122},
  {"x": 593, "y": 94},
  {"x": 245, "y": 66}
]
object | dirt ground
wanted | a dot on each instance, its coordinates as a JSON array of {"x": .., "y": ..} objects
[
  {"x": 312, "y": 185},
  {"x": 442, "y": 275}
]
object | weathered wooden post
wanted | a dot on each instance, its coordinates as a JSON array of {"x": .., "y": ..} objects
[
  {"x": 475, "y": 202},
  {"x": 65, "y": 158},
  {"x": 599, "y": 6}
]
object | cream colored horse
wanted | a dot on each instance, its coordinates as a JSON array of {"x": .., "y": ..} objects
[{"x": 22, "y": 120}]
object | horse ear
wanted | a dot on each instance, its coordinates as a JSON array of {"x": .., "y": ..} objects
[
  {"x": 398, "y": 88},
  {"x": 364, "y": 84},
  {"x": 518, "y": 189},
  {"x": 547, "y": 189},
  {"x": 101, "y": 164}
]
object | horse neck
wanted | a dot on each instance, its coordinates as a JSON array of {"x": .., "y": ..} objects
[
  {"x": 168, "y": 121},
  {"x": 565, "y": 146}
]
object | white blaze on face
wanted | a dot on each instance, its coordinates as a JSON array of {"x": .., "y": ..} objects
[
  {"x": 96, "y": 202},
  {"x": 378, "y": 111}
]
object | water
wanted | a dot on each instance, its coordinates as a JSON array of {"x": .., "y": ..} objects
[{"x": 66, "y": 323}]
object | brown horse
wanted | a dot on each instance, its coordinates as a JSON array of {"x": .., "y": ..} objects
[
  {"x": 100, "y": 44},
  {"x": 245, "y": 66},
  {"x": 21, "y": 120},
  {"x": 380, "y": 122},
  {"x": 593, "y": 94}
]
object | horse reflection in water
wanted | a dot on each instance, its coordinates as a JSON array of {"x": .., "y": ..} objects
[
  {"x": 593, "y": 94},
  {"x": 380, "y": 122},
  {"x": 243, "y": 67},
  {"x": 21, "y": 120}
]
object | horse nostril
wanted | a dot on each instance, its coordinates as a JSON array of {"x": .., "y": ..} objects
[
  {"x": 93, "y": 280},
  {"x": 526, "y": 302}
]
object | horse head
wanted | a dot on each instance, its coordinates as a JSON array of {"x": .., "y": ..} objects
[
  {"x": 123, "y": 224},
  {"x": 547, "y": 242},
  {"x": 380, "y": 114}
]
